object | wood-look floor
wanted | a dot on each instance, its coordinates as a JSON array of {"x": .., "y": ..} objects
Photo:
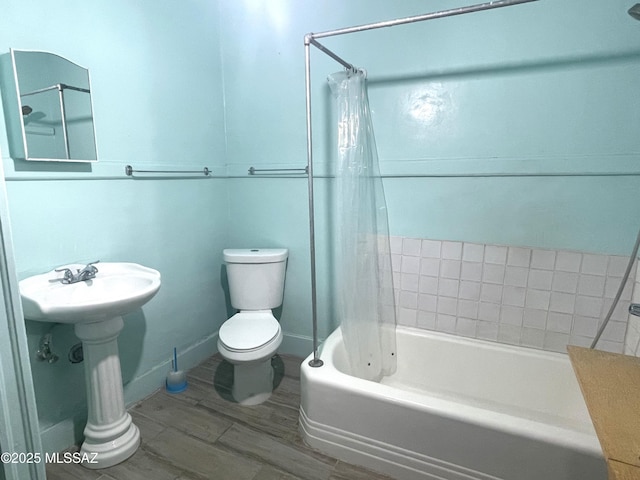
[{"x": 201, "y": 434}]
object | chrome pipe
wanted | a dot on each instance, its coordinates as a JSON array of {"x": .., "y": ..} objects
[
  {"x": 315, "y": 362},
  {"x": 328, "y": 52},
  {"x": 420, "y": 18}
]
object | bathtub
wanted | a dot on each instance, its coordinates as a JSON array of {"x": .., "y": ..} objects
[{"x": 456, "y": 409}]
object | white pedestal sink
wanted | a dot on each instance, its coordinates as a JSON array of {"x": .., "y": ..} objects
[{"x": 95, "y": 307}]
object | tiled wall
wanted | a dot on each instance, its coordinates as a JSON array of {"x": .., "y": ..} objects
[{"x": 522, "y": 296}]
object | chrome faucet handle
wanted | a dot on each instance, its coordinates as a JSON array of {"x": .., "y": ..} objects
[
  {"x": 88, "y": 272},
  {"x": 90, "y": 267},
  {"x": 68, "y": 275}
]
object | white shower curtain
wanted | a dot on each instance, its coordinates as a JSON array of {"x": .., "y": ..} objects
[{"x": 364, "y": 285}]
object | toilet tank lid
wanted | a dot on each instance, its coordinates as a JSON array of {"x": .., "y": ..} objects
[{"x": 255, "y": 255}]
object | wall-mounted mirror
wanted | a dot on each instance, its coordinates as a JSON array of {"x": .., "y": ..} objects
[{"x": 54, "y": 109}]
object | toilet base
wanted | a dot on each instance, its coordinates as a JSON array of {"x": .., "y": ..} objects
[{"x": 252, "y": 382}]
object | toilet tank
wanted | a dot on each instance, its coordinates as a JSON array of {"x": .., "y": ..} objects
[{"x": 256, "y": 277}]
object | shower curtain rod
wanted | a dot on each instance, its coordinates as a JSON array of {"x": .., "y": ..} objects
[
  {"x": 310, "y": 39},
  {"x": 420, "y": 18}
]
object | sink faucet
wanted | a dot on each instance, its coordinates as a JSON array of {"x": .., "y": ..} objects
[{"x": 86, "y": 273}]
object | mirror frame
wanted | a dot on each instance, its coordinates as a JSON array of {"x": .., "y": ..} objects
[{"x": 24, "y": 153}]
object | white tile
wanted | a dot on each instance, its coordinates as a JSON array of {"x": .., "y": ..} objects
[
  {"x": 516, "y": 276},
  {"x": 396, "y": 262},
  {"x": 540, "y": 279},
  {"x": 632, "y": 340},
  {"x": 487, "y": 330},
  {"x": 556, "y": 342},
  {"x": 489, "y": 312},
  {"x": 431, "y": 248},
  {"x": 617, "y": 265},
  {"x": 468, "y": 309},
  {"x": 592, "y": 285},
  {"x": 559, "y": 322},
  {"x": 466, "y": 327},
  {"x": 612, "y": 285},
  {"x": 445, "y": 323},
  {"x": 491, "y": 293},
  {"x": 532, "y": 337},
  {"x": 509, "y": 334},
  {"x": 519, "y": 257},
  {"x": 408, "y": 300},
  {"x": 428, "y": 285},
  {"x": 448, "y": 287},
  {"x": 472, "y": 252},
  {"x": 589, "y": 306},
  {"x": 562, "y": 302},
  {"x": 568, "y": 261},
  {"x": 621, "y": 311},
  {"x": 543, "y": 259},
  {"x": 511, "y": 315},
  {"x": 495, "y": 254},
  {"x": 493, "y": 273},
  {"x": 538, "y": 299},
  {"x": 579, "y": 341},
  {"x": 450, "y": 269},
  {"x": 407, "y": 317},
  {"x": 594, "y": 264},
  {"x": 584, "y": 326},
  {"x": 535, "y": 318},
  {"x": 396, "y": 244},
  {"x": 452, "y": 250},
  {"x": 411, "y": 246},
  {"x": 615, "y": 332},
  {"x": 427, "y": 303},
  {"x": 513, "y": 296},
  {"x": 565, "y": 282},
  {"x": 409, "y": 282},
  {"x": 469, "y": 290},
  {"x": 426, "y": 320},
  {"x": 410, "y": 264},
  {"x": 430, "y": 266},
  {"x": 613, "y": 347},
  {"x": 471, "y": 271},
  {"x": 447, "y": 305}
]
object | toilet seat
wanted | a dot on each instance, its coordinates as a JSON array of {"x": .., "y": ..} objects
[{"x": 249, "y": 331}]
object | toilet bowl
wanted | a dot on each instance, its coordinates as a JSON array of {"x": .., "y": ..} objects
[{"x": 250, "y": 338}]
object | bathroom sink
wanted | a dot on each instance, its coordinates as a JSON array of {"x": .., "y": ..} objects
[{"x": 117, "y": 289}]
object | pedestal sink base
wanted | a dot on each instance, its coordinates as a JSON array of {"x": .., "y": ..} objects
[
  {"x": 108, "y": 454},
  {"x": 110, "y": 433}
]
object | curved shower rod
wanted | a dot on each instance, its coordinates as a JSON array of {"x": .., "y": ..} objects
[{"x": 311, "y": 39}]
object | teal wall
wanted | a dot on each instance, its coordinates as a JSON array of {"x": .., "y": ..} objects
[
  {"x": 517, "y": 126},
  {"x": 158, "y": 101}
]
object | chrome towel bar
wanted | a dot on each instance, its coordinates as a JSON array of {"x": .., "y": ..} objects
[
  {"x": 130, "y": 171},
  {"x": 253, "y": 170}
]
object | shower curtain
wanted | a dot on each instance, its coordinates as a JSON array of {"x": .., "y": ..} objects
[{"x": 364, "y": 286}]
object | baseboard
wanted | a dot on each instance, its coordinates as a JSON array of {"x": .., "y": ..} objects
[
  {"x": 297, "y": 345},
  {"x": 68, "y": 432}
]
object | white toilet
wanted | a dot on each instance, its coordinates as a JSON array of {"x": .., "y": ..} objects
[{"x": 251, "y": 337}]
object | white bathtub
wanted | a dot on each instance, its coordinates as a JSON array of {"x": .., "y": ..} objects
[{"x": 456, "y": 409}]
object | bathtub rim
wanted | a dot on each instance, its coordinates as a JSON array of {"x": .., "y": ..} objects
[{"x": 330, "y": 375}]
